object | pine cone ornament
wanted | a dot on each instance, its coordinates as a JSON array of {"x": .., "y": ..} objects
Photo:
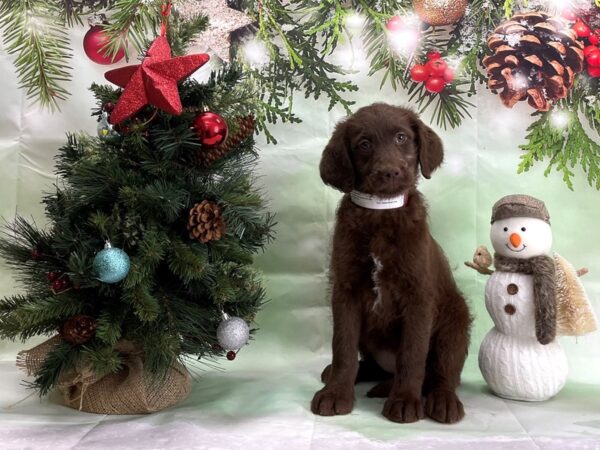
[
  {"x": 78, "y": 329},
  {"x": 206, "y": 222},
  {"x": 245, "y": 129},
  {"x": 535, "y": 58}
]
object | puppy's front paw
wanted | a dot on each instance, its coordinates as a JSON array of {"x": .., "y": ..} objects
[
  {"x": 326, "y": 374},
  {"x": 403, "y": 409},
  {"x": 332, "y": 401},
  {"x": 444, "y": 406}
]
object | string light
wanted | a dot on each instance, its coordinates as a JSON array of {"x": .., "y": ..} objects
[
  {"x": 404, "y": 41},
  {"x": 354, "y": 23},
  {"x": 560, "y": 119},
  {"x": 256, "y": 53}
]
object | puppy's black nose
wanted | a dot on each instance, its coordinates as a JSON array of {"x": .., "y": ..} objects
[{"x": 389, "y": 173}]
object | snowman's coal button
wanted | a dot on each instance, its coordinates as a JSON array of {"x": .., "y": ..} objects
[
  {"x": 510, "y": 309},
  {"x": 512, "y": 288}
]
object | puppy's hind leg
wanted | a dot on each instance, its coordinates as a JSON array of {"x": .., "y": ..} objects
[{"x": 368, "y": 370}]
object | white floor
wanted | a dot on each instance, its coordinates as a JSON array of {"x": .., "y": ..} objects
[{"x": 269, "y": 410}]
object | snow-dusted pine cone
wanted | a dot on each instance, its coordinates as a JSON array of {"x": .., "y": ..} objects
[
  {"x": 206, "y": 222},
  {"x": 78, "y": 329},
  {"x": 535, "y": 58}
]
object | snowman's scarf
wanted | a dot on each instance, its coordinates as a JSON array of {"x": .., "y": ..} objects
[{"x": 543, "y": 271}]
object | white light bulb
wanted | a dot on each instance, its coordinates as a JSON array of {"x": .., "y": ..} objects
[
  {"x": 560, "y": 119},
  {"x": 354, "y": 22},
  {"x": 256, "y": 53}
]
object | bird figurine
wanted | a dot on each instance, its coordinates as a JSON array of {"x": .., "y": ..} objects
[{"x": 482, "y": 260}]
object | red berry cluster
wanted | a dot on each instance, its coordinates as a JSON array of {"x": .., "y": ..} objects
[
  {"x": 591, "y": 38},
  {"x": 60, "y": 282},
  {"x": 435, "y": 73}
]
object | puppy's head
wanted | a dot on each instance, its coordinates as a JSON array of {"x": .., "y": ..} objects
[{"x": 378, "y": 150}]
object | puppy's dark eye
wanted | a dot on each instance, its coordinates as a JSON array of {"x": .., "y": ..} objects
[
  {"x": 364, "y": 144},
  {"x": 523, "y": 229},
  {"x": 505, "y": 228},
  {"x": 400, "y": 138}
]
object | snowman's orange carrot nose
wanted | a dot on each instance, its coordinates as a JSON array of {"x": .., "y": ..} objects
[{"x": 515, "y": 240}]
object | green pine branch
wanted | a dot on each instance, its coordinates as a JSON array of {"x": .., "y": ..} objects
[{"x": 40, "y": 46}]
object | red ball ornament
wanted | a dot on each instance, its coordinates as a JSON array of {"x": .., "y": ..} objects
[
  {"x": 594, "y": 39},
  {"x": 593, "y": 72},
  {"x": 58, "y": 285},
  {"x": 419, "y": 73},
  {"x": 436, "y": 67},
  {"x": 210, "y": 128},
  {"x": 593, "y": 59},
  {"x": 581, "y": 29},
  {"x": 435, "y": 84},
  {"x": 93, "y": 43},
  {"x": 448, "y": 75},
  {"x": 231, "y": 355},
  {"x": 394, "y": 24}
]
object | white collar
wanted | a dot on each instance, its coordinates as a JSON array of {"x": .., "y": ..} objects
[{"x": 373, "y": 202}]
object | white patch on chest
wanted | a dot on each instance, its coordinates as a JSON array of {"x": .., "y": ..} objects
[{"x": 378, "y": 266}]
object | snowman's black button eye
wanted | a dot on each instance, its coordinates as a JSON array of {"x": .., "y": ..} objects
[
  {"x": 523, "y": 229},
  {"x": 505, "y": 228}
]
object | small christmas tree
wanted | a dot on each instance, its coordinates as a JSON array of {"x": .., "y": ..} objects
[{"x": 175, "y": 198}]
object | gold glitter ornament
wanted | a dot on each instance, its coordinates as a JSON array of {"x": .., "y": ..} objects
[
  {"x": 222, "y": 20},
  {"x": 440, "y": 12}
]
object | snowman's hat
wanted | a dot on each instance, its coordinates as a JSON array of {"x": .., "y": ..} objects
[{"x": 520, "y": 205}]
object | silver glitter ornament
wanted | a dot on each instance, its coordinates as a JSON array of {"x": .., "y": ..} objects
[
  {"x": 106, "y": 132},
  {"x": 111, "y": 265},
  {"x": 233, "y": 333}
]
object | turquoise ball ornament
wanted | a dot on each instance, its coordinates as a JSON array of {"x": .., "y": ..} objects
[{"x": 111, "y": 265}]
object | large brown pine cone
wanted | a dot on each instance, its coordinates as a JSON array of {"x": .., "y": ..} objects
[
  {"x": 206, "y": 222},
  {"x": 535, "y": 58},
  {"x": 245, "y": 128},
  {"x": 78, "y": 329}
]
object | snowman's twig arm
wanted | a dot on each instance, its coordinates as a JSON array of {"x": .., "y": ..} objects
[{"x": 481, "y": 270}]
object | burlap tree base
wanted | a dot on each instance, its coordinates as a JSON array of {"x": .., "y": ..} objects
[{"x": 129, "y": 391}]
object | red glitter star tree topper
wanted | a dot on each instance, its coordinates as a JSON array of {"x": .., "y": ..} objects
[{"x": 154, "y": 81}]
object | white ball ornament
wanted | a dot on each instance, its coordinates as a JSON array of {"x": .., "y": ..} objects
[{"x": 233, "y": 333}]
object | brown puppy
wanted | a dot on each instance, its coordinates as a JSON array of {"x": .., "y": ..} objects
[{"x": 394, "y": 299}]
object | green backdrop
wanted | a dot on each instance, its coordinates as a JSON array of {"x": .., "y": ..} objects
[{"x": 480, "y": 167}]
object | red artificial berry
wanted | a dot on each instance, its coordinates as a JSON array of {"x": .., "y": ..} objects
[
  {"x": 433, "y": 54},
  {"x": 593, "y": 59},
  {"x": 231, "y": 355},
  {"x": 581, "y": 29},
  {"x": 57, "y": 285},
  {"x": 448, "y": 75},
  {"x": 35, "y": 254},
  {"x": 593, "y": 72},
  {"x": 569, "y": 15},
  {"x": 419, "y": 73},
  {"x": 436, "y": 67},
  {"x": 594, "y": 39},
  {"x": 52, "y": 276},
  {"x": 435, "y": 84},
  {"x": 394, "y": 24},
  {"x": 108, "y": 107},
  {"x": 216, "y": 348},
  {"x": 590, "y": 49}
]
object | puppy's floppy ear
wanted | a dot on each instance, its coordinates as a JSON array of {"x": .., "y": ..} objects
[
  {"x": 431, "y": 149},
  {"x": 336, "y": 167}
]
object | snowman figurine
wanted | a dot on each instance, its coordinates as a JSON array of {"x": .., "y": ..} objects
[{"x": 520, "y": 358}]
